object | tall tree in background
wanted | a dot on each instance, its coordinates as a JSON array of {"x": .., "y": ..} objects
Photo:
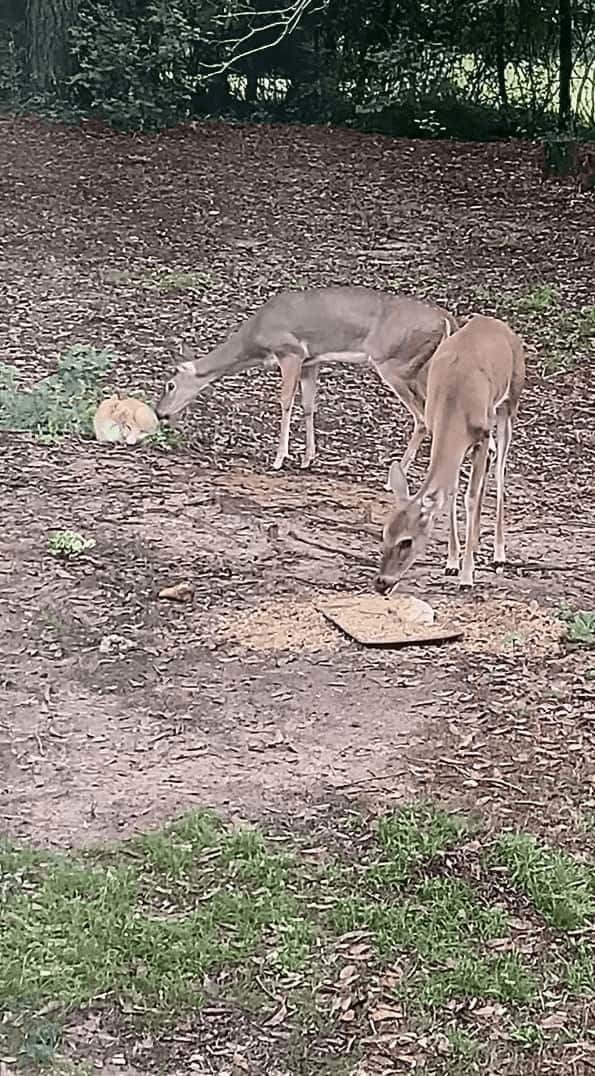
[
  {"x": 565, "y": 45},
  {"x": 46, "y": 34}
]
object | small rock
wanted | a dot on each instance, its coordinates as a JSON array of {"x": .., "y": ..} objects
[{"x": 179, "y": 592}]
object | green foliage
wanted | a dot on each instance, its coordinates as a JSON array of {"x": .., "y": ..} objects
[
  {"x": 564, "y": 335},
  {"x": 537, "y": 300},
  {"x": 60, "y": 404},
  {"x": 580, "y": 626},
  {"x": 471, "y": 70},
  {"x": 69, "y": 544},
  {"x": 136, "y": 72},
  {"x": 165, "y": 437},
  {"x": 444, "y": 115}
]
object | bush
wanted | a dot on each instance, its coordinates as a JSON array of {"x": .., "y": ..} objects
[
  {"x": 135, "y": 73},
  {"x": 449, "y": 116},
  {"x": 62, "y": 403}
]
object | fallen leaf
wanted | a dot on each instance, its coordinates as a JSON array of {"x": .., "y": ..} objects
[
  {"x": 348, "y": 972},
  {"x": 179, "y": 592},
  {"x": 555, "y": 1019},
  {"x": 385, "y": 1012},
  {"x": 278, "y": 1017},
  {"x": 347, "y": 1016}
]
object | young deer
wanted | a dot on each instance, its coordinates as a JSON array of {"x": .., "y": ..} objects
[
  {"x": 475, "y": 379},
  {"x": 298, "y": 330}
]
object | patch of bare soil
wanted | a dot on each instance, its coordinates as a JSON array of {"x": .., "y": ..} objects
[{"x": 118, "y": 710}]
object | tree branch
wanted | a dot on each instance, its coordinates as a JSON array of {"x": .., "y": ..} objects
[{"x": 285, "y": 21}]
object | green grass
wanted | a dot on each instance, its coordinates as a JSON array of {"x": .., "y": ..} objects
[
  {"x": 497, "y": 978},
  {"x": 140, "y": 928},
  {"x": 560, "y": 888},
  {"x": 562, "y": 335},
  {"x": 433, "y": 920}
]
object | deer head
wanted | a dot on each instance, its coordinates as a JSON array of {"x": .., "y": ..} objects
[
  {"x": 406, "y": 531},
  {"x": 183, "y": 387}
]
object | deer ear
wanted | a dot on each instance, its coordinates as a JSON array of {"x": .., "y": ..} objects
[
  {"x": 430, "y": 503},
  {"x": 186, "y": 352},
  {"x": 398, "y": 482}
]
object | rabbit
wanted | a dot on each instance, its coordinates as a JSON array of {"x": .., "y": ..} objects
[{"x": 125, "y": 420}]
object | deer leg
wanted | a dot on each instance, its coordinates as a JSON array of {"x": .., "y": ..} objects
[
  {"x": 309, "y": 384},
  {"x": 415, "y": 407},
  {"x": 291, "y": 366},
  {"x": 480, "y": 496},
  {"x": 454, "y": 548},
  {"x": 503, "y": 439},
  {"x": 473, "y": 509},
  {"x": 415, "y": 441}
]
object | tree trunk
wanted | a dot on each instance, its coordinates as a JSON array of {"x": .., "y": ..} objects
[
  {"x": 47, "y": 22},
  {"x": 251, "y": 92},
  {"x": 559, "y": 157},
  {"x": 565, "y": 44},
  {"x": 500, "y": 57}
]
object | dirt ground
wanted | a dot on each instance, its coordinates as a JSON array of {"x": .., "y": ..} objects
[{"x": 120, "y": 710}]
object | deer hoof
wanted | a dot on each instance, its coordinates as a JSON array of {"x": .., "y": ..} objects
[
  {"x": 499, "y": 566},
  {"x": 306, "y": 462},
  {"x": 451, "y": 571},
  {"x": 465, "y": 584},
  {"x": 278, "y": 463}
]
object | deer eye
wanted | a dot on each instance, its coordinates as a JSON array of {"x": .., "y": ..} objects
[{"x": 170, "y": 387}]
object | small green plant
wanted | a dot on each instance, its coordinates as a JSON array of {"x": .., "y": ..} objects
[
  {"x": 177, "y": 280},
  {"x": 41, "y": 1042},
  {"x": 62, "y": 403},
  {"x": 538, "y": 299},
  {"x": 166, "y": 437},
  {"x": 462, "y": 1045},
  {"x": 562, "y": 334},
  {"x": 69, "y": 544},
  {"x": 162, "y": 279},
  {"x": 580, "y": 626},
  {"x": 527, "y": 1036}
]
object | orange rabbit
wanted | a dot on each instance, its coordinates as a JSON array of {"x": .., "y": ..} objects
[{"x": 125, "y": 420}]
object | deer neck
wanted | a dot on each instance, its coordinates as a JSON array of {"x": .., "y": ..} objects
[
  {"x": 229, "y": 358},
  {"x": 449, "y": 446}
]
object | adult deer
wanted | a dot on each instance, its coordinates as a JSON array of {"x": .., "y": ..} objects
[
  {"x": 299, "y": 330},
  {"x": 475, "y": 379}
]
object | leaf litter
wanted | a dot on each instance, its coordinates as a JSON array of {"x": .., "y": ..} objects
[{"x": 104, "y": 741}]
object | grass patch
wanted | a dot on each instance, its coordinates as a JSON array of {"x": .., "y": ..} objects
[
  {"x": 62, "y": 403},
  {"x": 141, "y": 926},
  {"x": 560, "y": 888},
  {"x": 497, "y": 978},
  {"x": 434, "y": 919},
  {"x": 164, "y": 280},
  {"x": 563, "y": 335}
]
